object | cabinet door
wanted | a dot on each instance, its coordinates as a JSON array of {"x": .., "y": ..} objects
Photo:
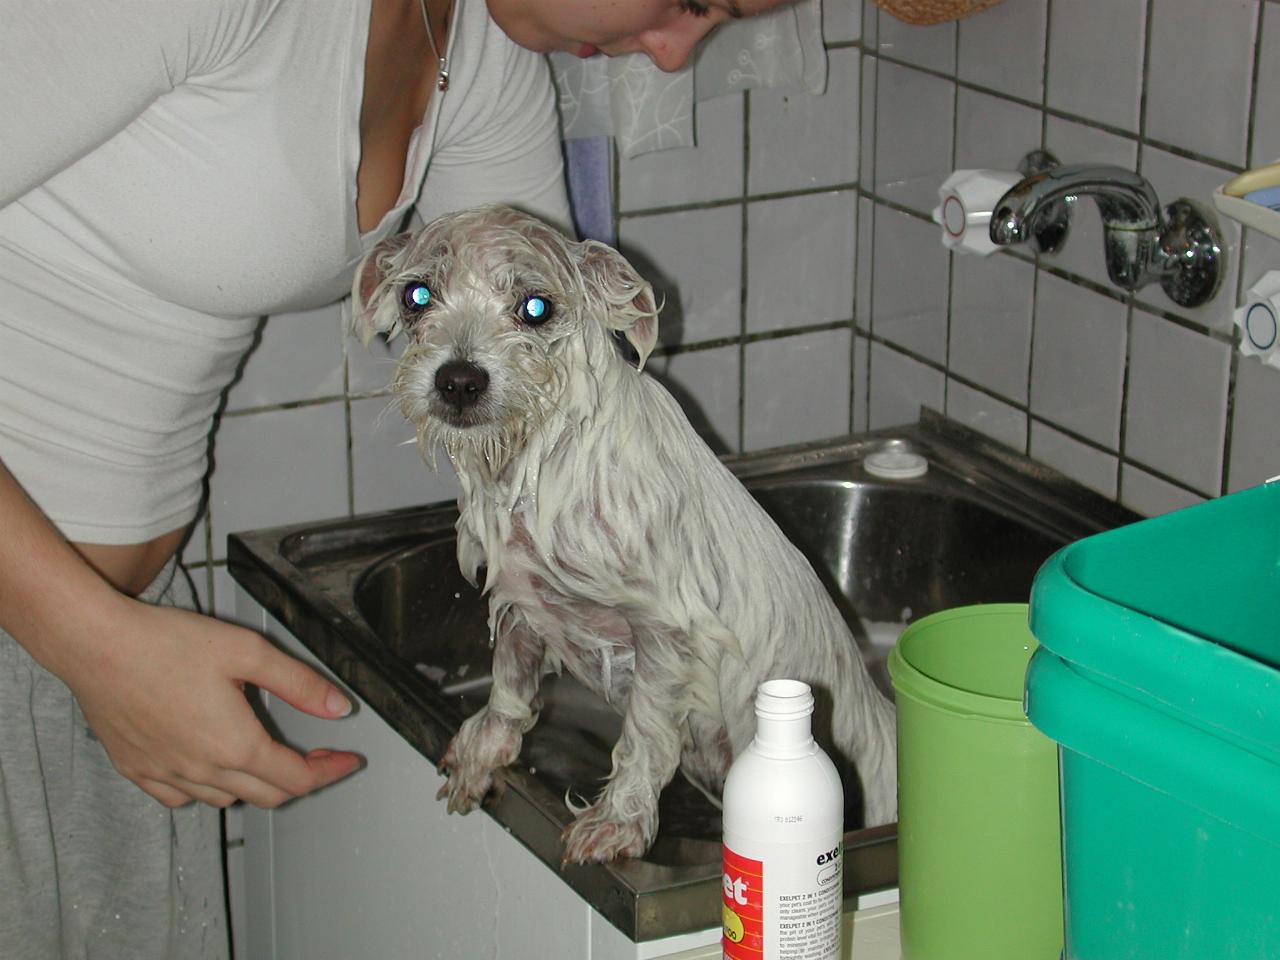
[{"x": 373, "y": 866}]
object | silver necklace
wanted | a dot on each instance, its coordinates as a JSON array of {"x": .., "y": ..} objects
[{"x": 442, "y": 77}]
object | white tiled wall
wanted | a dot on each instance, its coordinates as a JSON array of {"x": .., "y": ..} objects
[
  {"x": 1143, "y": 400},
  {"x": 807, "y": 294},
  {"x": 694, "y": 260},
  {"x": 799, "y": 264},
  {"x": 797, "y": 388},
  {"x": 1078, "y": 360}
]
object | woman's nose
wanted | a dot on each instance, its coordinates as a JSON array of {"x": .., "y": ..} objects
[{"x": 670, "y": 49}]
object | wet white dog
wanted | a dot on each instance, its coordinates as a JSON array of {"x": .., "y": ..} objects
[{"x": 618, "y": 547}]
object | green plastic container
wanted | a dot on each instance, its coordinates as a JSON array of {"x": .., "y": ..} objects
[
  {"x": 979, "y": 863},
  {"x": 1158, "y": 678}
]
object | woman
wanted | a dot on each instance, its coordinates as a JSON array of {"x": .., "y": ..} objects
[{"x": 171, "y": 172}]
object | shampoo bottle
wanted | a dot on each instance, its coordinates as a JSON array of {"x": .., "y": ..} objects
[{"x": 783, "y": 837}]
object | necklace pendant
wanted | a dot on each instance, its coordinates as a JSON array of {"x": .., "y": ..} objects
[{"x": 442, "y": 81}]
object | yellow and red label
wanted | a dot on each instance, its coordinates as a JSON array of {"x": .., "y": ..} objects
[{"x": 743, "y": 907}]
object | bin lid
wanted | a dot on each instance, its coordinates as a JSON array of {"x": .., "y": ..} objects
[
  {"x": 1165, "y": 754},
  {"x": 1180, "y": 611}
]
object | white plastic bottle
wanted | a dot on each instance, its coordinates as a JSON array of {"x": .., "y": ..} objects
[{"x": 783, "y": 837}]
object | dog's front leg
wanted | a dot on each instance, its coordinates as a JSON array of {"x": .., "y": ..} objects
[
  {"x": 490, "y": 739},
  {"x": 624, "y": 819}
]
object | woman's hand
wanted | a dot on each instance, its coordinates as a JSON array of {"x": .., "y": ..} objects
[{"x": 163, "y": 690}]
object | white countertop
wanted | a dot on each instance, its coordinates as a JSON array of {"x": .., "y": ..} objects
[{"x": 870, "y": 934}]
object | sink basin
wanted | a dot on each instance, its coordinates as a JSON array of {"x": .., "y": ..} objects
[
  {"x": 888, "y": 552},
  {"x": 381, "y": 602}
]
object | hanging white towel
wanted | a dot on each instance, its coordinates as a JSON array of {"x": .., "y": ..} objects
[{"x": 645, "y": 109}]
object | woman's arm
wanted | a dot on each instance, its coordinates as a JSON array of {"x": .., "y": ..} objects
[{"x": 161, "y": 688}]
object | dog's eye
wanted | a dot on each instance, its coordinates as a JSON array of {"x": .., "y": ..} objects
[
  {"x": 417, "y": 296},
  {"x": 535, "y": 309}
]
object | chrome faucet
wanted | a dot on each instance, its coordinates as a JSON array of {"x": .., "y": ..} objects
[{"x": 1180, "y": 245}]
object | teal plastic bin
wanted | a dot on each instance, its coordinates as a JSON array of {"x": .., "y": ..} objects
[{"x": 1158, "y": 675}]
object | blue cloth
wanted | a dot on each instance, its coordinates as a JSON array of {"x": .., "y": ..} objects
[
  {"x": 589, "y": 166},
  {"x": 1267, "y": 197}
]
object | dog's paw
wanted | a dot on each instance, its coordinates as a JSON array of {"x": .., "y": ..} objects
[
  {"x": 596, "y": 837},
  {"x": 468, "y": 784},
  {"x": 484, "y": 745}
]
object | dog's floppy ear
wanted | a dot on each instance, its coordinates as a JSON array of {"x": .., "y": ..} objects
[
  {"x": 629, "y": 303},
  {"x": 372, "y": 311}
]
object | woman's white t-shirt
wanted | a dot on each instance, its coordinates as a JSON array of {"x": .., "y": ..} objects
[{"x": 171, "y": 171}]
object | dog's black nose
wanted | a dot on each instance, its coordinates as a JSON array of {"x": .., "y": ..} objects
[{"x": 461, "y": 383}]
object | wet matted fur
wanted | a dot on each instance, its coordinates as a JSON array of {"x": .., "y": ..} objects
[{"x": 617, "y": 546}]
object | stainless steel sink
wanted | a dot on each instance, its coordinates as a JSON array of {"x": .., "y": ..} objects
[{"x": 381, "y": 602}]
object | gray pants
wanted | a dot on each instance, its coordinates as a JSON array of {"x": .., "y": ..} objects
[{"x": 91, "y": 868}]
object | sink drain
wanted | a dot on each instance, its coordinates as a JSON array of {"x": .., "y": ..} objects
[{"x": 896, "y": 465}]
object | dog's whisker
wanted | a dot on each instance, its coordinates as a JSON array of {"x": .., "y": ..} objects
[
  {"x": 385, "y": 361},
  {"x": 392, "y": 404}
]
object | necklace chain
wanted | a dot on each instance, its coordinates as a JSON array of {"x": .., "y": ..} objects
[{"x": 442, "y": 77}]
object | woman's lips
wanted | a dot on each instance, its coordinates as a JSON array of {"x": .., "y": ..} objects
[{"x": 587, "y": 50}]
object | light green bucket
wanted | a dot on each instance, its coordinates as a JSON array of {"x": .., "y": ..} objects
[{"x": 979, "y": 840}]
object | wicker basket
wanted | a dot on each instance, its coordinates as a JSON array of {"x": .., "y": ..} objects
[{"x": 925, "y": 13}]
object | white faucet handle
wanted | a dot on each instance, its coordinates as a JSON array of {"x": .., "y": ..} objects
[
  {"x": 1258, "y": 320},
  {"x": 966, "y": 199}
]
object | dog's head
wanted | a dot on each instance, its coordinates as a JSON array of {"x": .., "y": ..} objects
[{"x": 507, "y": 320}]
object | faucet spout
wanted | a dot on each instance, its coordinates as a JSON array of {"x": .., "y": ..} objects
[
  {"x": 1125, "y": 199},
  {"x": 1179, "y": 246}
]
